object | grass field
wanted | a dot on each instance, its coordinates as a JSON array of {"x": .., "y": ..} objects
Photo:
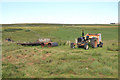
[{"x": 61, "y": 61}]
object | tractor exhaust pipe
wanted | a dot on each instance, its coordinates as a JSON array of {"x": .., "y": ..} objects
[{"x": 82, "y": 33}]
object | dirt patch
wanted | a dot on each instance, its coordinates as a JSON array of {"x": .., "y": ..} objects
[
  {"x": 91, "y": 59},
  {"x": 11, "y": 59},
  {"x": 45, "y": 56},
  {"x": 3, "y": 59},
  {"x": 30, "y": 64},
  {"x": 101, "y": 75}
]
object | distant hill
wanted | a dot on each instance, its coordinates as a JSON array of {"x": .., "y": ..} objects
[{"x": 51, "y": 24}]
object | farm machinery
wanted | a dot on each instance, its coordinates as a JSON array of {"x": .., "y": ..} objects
[
  {"x": 43, "y": 42},
  {"x": 93, "y": 40}
]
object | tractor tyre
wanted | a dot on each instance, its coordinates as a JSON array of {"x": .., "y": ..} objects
[
  {"x": 94, "y": 43},
  {"x": 49, "y": 45},
  {"x": 72, "y": 45},
  {"x": 42, "y": 45},
  {"x": 101, "y": 44},
  {"x": 86, "y": 47}
]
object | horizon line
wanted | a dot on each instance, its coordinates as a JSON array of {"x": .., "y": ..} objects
[{"x": 59, "y": 23}]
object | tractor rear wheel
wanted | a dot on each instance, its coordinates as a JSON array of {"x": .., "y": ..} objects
[{"x": 94, "y": 43}]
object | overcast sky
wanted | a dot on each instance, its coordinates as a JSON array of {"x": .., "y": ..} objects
[{"x": 59, "y": 11}]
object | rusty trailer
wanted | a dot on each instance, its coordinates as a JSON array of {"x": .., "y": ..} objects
[{"x": 40, "y": 42}]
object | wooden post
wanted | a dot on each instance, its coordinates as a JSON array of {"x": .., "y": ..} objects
[{"x": 76, "y": 41}]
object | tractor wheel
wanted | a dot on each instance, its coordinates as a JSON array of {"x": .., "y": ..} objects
[
  {"x": 101, "y": 44},
  {"x": 49, "y": 45},
  {"x": 86, "y": 47},
  {"x": 42, "y": 45},
  {"x": 72, "y": 45},
  {"x": 94, "y": 43}
]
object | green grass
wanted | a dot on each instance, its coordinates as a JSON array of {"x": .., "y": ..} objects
[{"x": 61, "y": 61}]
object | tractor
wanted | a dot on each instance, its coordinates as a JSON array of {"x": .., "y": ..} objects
[{"x": 93, "y": 40}]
